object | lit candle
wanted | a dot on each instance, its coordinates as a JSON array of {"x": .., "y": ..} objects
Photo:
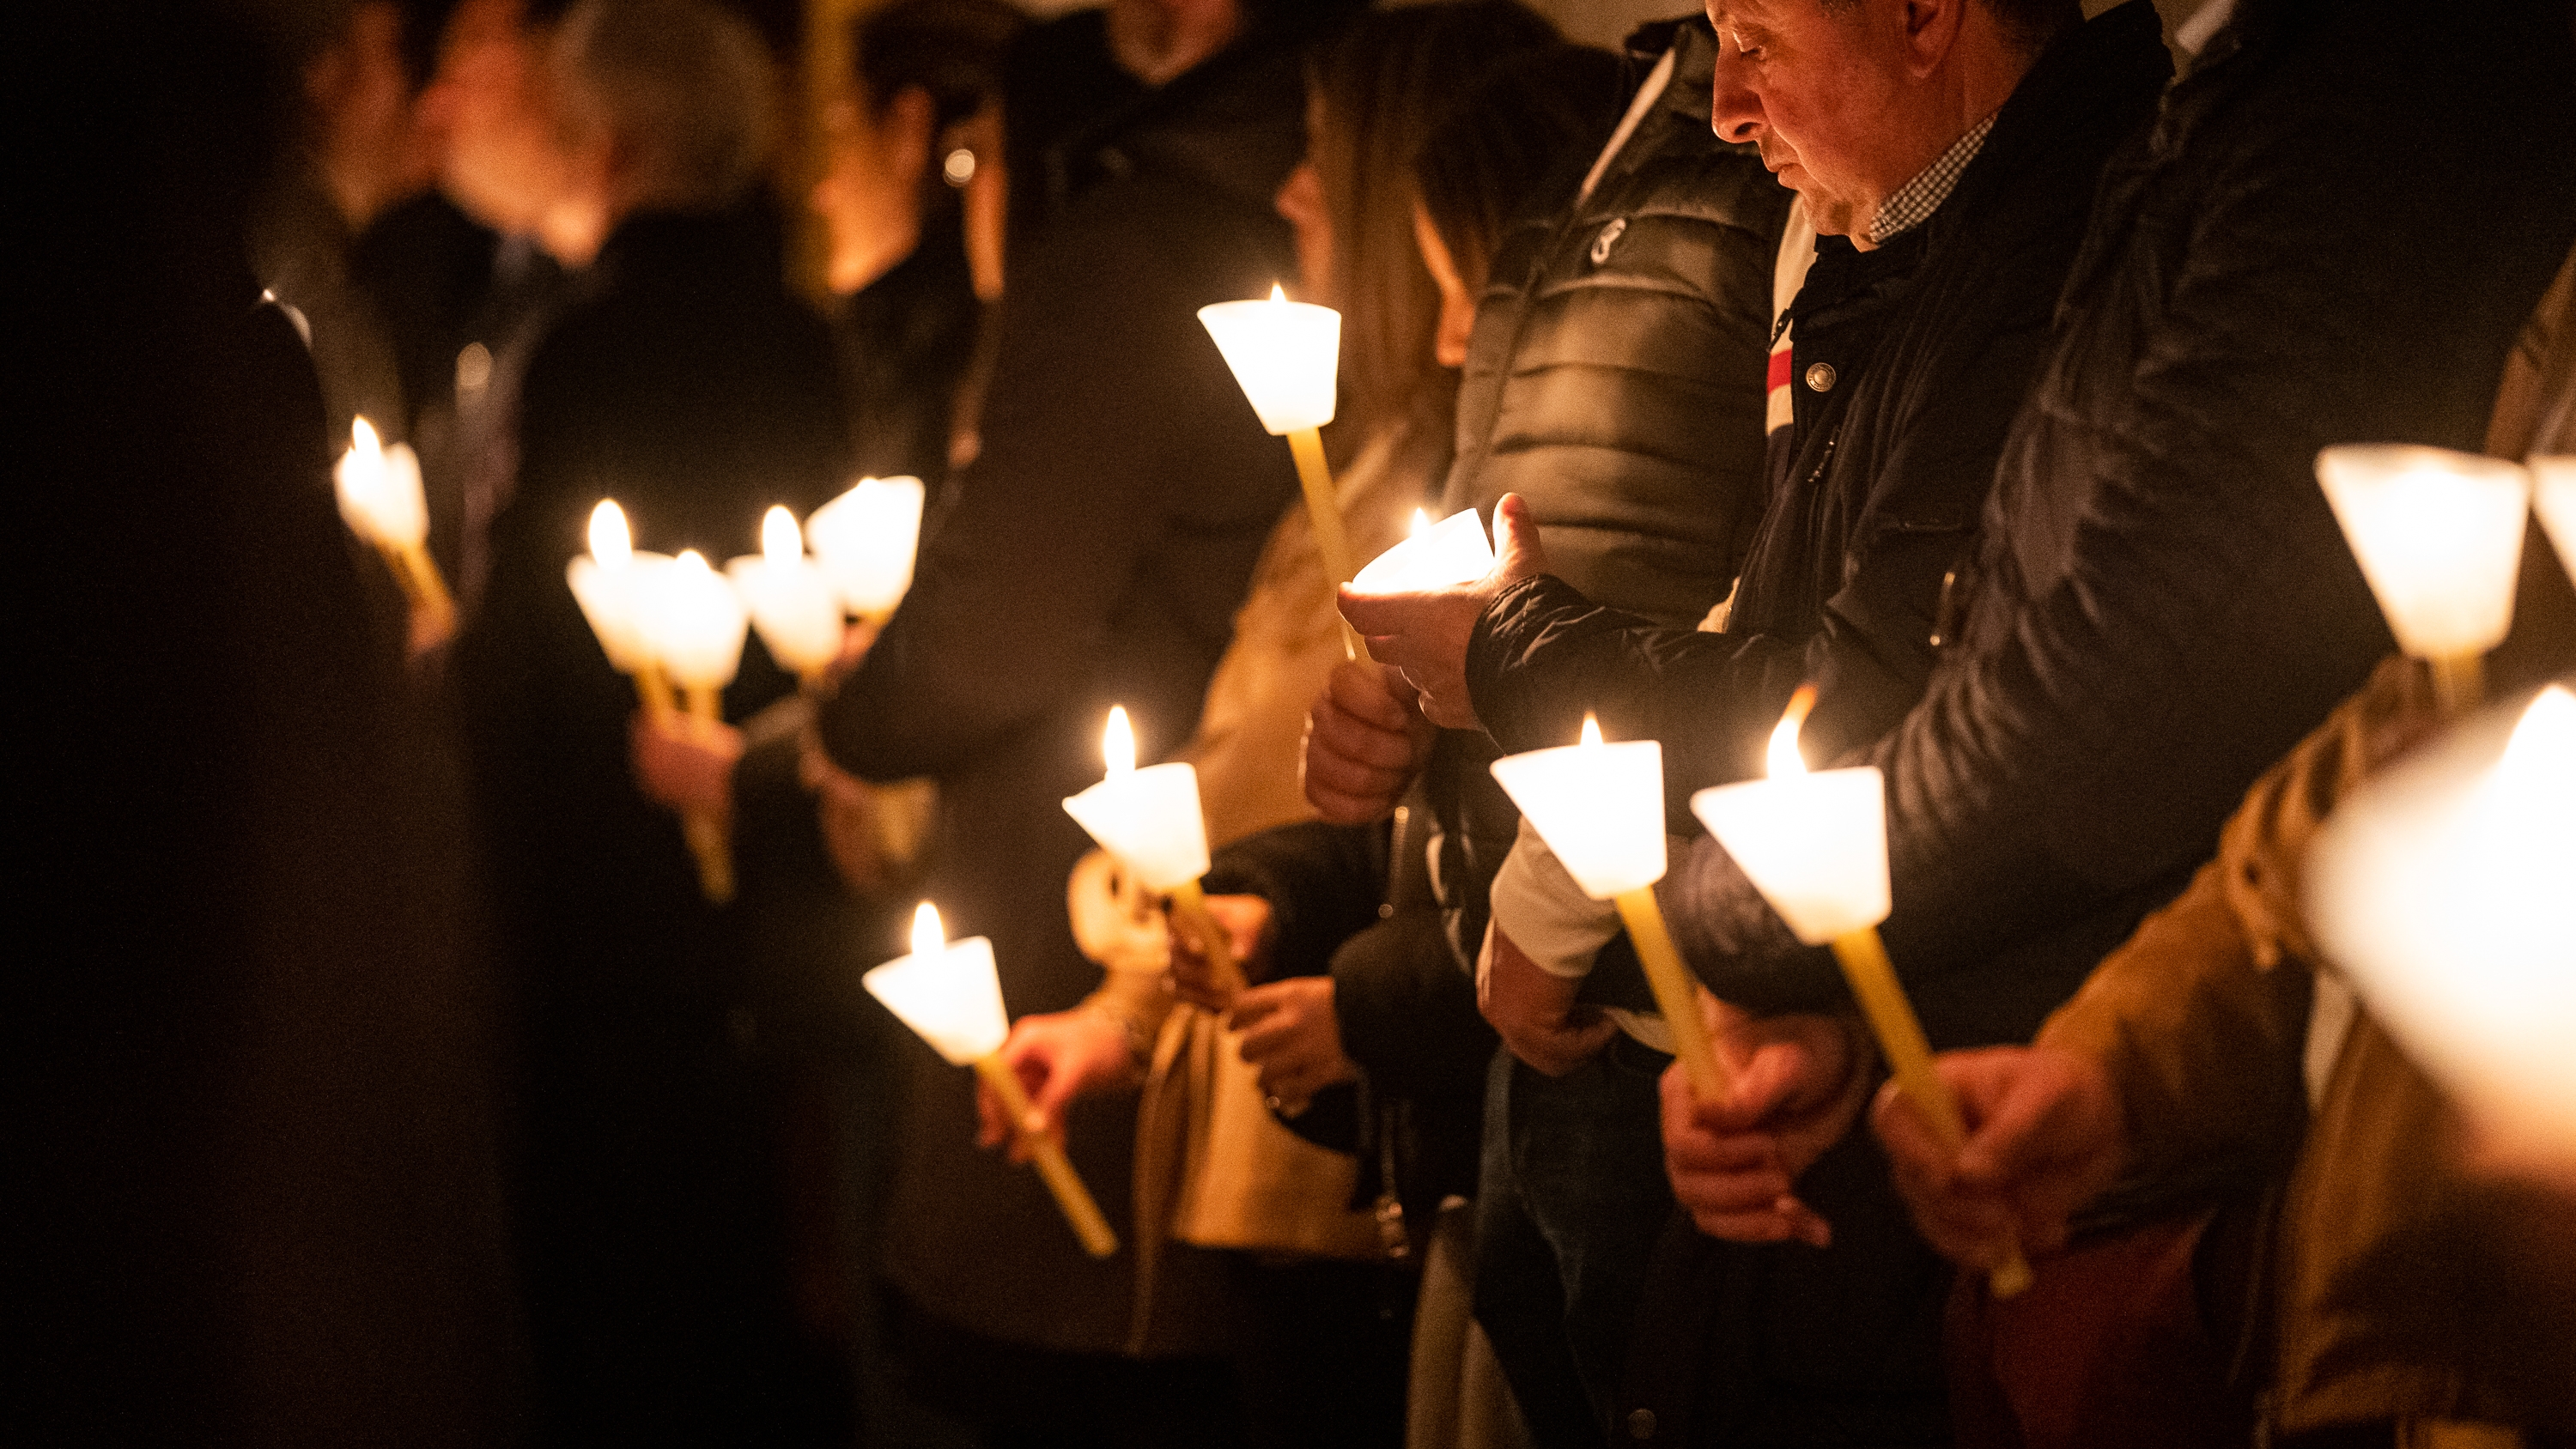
[
  {"x": 949, "y": 992},
  {"x": 1287, "y": 358},
  {"x": 1600, "y": 808},
  {"x": 2439, "y": 536},
  {"x": 1150, "y": 820},
  {"x": 1435, "y": 556},
  {"x": 381, "y": 500},
  {"x": 694, "y": 625},
  {"x": 1815, "y": 845},
  {"x": 2447, "y": 888},
  {"x": 866, "y": 540},
  {"x": 2553, "y": 497},
  {"x": 609, "y": 584},
  {"x": 792, "y": 601}
]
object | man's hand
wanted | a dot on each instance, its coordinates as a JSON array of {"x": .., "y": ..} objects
[
  {"x": 1248, "y": 926},
  {"x": 685, "y": 765},
  {"x": 2044, "y": 1138},
  {"x": 1058, "y": 1056},
  {"x": 1424, "y": 632},
  {"x": 1796, "y": 1084},
  {"x": 1535, "y": 1011},
  {"x": 1292, "y": 1037},
  {"x": 1365, "y": 741}
]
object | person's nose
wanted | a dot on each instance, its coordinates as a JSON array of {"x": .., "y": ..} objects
[{"x": 1734, "y": 108}]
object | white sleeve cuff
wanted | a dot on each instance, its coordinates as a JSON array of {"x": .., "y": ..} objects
[{"x": 1538, "y": 905}]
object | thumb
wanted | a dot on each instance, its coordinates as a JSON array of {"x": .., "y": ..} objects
[{"x": 1517, "y": 552}]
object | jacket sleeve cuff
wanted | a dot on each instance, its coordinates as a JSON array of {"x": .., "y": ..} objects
[{"x": 1537, "y": 904}]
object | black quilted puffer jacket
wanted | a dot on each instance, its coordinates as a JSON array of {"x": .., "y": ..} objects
[{"x": 2332, "y": 233}]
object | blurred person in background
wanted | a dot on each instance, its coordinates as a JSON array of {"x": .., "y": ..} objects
[
  {"x": 913, "y": 202},
  {"x": 1092, "y": 554},
  {"x": 631, "y": 140}
]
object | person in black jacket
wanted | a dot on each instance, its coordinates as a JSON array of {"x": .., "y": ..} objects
[
  {"x": 2305, "y": 249},
  {"x": 686, "y": 384},
  {"x": 1950, "y": 216},
  {"x": 1614, "y": 371}
]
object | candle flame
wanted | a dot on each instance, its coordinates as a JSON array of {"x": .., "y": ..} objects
[
  {"x": 1591, "y": 730},
  {"x": 691, "y": 560},
  {"x": 1421, "y": 524},
  {"x": 611, "y": 546},
  {"x": 781, "y": 543},
  {"x": 1118, "y": 743},
  {"x": 363, "y": 439},
  {"x": 2541, "y": 755},
  {"x": 1278, "y": 293},
  {"x": 1785, "y": 760},
  {"x": 928, "y": 936}
]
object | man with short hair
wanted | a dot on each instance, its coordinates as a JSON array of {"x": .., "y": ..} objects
[{"x": 1947, "y": 152}]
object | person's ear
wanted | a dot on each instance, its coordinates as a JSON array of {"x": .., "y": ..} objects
[{"x": 1930, "y": 29}]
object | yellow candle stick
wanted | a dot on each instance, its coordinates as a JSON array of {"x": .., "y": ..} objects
[
  {"x": 2459, "y": 683},
  {"x": 950, "y": 993},
  {"x": 1815, "y": 845},
  {"x": 380, "y": 496},
  {"x": 1287, "y": 358},
  {"x": 1053, "y": 1167},
  {"x": 1676, "y": 991},
  {"x": 1189, "y": 911},
  {"x": 1600, "y": 808}
]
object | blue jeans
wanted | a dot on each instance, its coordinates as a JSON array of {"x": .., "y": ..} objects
[{"x": 1569, "y": 1203}]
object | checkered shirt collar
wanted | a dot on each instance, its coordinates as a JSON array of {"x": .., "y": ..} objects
[{"x": 1910, "y": 205}]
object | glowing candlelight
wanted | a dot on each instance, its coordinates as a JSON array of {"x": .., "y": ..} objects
[
  {"x": 2439, "y": 536},
  {"x": 1287, "y": 358},
  {"x": 381, "y": 500},
  {"x": 1600, "y": 808},
  {"x": 2553, "y": 497},
  {"x": 609, "y": 584},
  {"x": 866, "y": 540},
  {"x": 693, "y": 623},
  {"x": 1150, "y": 820},
  {"x": 2447, "y": 888},
  {"x": 950, "y": 993},
  {"x": 792, "y": 601},
  {"x": 1434, "y": 556},
  {"x": 1815, "y": 845}
]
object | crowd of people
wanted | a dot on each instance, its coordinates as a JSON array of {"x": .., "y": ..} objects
[{"x": 1960, "y": 366}]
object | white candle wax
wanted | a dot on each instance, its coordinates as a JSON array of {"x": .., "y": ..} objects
[
  {"x": 1149, "y": 819},
  {"x": 1599, "y": 807},
  {"x": 1814, "y": 845},
  {"x": 2553, "y": 497},
  {"x": 1437, "y": 556},
  {"x": 693, "y": 623},
  {"x": 792, "y": 602},
  {"x": 379, "y": 490},
  {"x": 866, "y": 541},
  {"x": 1285, "y": 355},
  {"x": 2447, "y": 889},
  {"x": 947, "y": 991},
  {"x": 2439, "y": 536}
]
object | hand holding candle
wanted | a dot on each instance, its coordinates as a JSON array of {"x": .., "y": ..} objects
[
  {"x": 381, "y": 500},
  {"x": 792, "y": 601},
  {"x": 1150, "y": 820},
  {"x": 950, "y": 993},
  {"x": 2439, "y": 536},
  {"x": 694, "y": 624},
  {"x": 1600, "y": 808},
  {"x": 1815, "y": 845}
]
